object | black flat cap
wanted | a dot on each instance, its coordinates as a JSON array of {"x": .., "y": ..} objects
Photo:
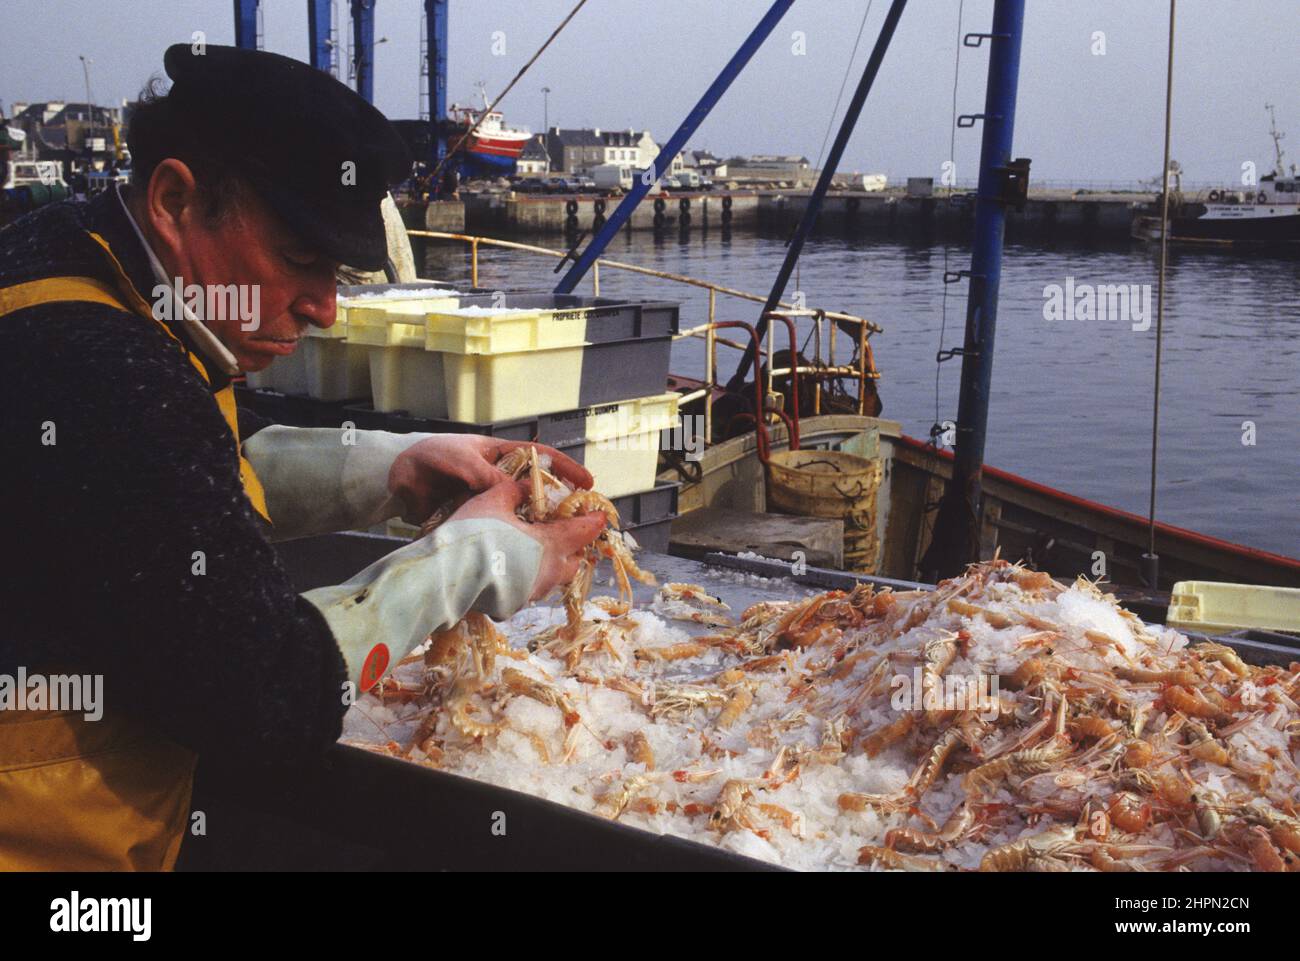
[{"x": 314, "y": 150}]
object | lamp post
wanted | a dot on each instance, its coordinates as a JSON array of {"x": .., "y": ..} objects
[{"x": 546, "y": 110}]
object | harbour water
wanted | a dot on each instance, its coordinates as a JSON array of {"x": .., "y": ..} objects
[{"x": 1072, "y": 398}]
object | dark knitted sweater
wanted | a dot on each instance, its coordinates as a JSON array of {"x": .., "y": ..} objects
[{"x": 103, "y": 526}]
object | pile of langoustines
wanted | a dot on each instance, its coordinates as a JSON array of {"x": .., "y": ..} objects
[{"x": 1001, "y": 722}]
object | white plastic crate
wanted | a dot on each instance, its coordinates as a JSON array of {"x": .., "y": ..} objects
[
  {"x": 325, "y": 366},
  {"x": 475, "y": 388}
]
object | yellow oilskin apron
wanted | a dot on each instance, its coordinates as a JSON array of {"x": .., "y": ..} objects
[{"x": 79, "y": 795}]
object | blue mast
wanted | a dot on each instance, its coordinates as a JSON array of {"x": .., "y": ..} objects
[
  {"x": 956, "y": 539},
  {"x": 435, "y": 16},
  {"x": 319, "y": 26},
  {"x": 246, "y": 24},
  {"x": 363, "y": 47},
  {"x": 673, "y": 147}
]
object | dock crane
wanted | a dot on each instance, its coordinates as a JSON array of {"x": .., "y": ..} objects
[{"x": 324, "y": 52}]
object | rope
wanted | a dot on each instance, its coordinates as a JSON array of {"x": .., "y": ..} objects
[
  {"x": 1160, "y": 291},
  {"x": 848, "y": 68},
  {"x": 952, "y": 149},
  {"x": 830, "y": 125},
  {"x": 433, "y": 177}
]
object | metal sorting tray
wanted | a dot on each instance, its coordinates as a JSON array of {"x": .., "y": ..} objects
[
  {"x": 355, "y": 810},
  {"x": 360, "y": 811}
]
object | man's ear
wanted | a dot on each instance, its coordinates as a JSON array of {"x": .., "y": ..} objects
[{"x": 171, "y": 205}]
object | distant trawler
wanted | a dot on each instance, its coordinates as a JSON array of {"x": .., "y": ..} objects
[{"x": 1265, "y": 216}]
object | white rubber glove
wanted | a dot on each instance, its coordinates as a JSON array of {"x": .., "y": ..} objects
[
  {"x": 387, "y": 610},
  {"x": 317, "y": 484}
]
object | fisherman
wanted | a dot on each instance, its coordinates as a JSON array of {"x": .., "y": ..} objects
[{"x": 141, "y": 504}]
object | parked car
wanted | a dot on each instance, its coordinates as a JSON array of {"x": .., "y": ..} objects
[
  {"x": 585, "y": 185},
  {"x": 560, "y": 185},
  {"x": 530, "y": 185}
]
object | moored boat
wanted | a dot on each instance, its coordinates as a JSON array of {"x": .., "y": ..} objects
[{"x": 1264, "y": 215}]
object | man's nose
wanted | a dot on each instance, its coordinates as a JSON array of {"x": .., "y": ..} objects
[{"x": 318, "y": 304}]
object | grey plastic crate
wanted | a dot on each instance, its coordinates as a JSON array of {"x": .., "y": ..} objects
[
  {"x": 607, "y": 319},
  {"x": 620, "y": 369},
  {"x": 562, "y": 430},
  {"x": 648, "y": 507},
  {"x": 653, "y": 536}
]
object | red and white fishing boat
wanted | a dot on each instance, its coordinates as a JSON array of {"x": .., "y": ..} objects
[{"x": 493, "y": 144}]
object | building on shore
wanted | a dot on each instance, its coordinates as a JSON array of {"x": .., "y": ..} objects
[
  {"x": 770, "y": 168},
  {"x": 578, "y": 151},
  {"x": 534, "y": 161},
  {"x": 705, "y": 164}
]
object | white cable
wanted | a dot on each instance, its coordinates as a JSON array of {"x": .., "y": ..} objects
[{"x": 205, "y": 339}]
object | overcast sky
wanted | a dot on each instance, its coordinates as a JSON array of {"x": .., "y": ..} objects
[{"x": 643, "y": 63}]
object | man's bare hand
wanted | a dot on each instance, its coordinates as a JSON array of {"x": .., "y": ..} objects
[
  {"x": 446, "y": 466},
  {"x": 562, "y": 541}
]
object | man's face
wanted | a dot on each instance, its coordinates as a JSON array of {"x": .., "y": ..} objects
[{"x": 292, "y": 285}]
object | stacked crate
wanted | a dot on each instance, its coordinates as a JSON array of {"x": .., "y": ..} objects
[{"x": 584, "y": 375}]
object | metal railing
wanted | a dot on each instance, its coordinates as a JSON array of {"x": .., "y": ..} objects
[{"x": 863, "y": 371}]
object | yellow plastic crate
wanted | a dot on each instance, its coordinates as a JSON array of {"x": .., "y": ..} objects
[
  {"x": 470, "y": 385},
  {"x": 333, "y": 364},
  {"x": 392, "y": 323},
  {"x": 394, "y": 298},
  {"x": 623, "y": 441},
  {"x": 1214, "y": 607},
  {"x": 444, "y": 324},
  {"x": 381, "y": 294},
  {"x": 609, "y": 422}
]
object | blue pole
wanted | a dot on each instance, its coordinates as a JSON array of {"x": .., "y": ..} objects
[
  {"x": 363, "y": 47},
  {"x": 674, "y": 146},
  {"x": 956, "y": 540},
  {"x": 319, "y": 23},
  {"x": 435, "y": 14},
  {"x": 246, "y": 24}
]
